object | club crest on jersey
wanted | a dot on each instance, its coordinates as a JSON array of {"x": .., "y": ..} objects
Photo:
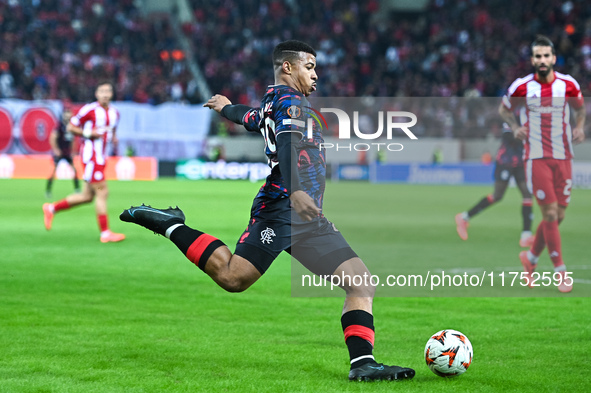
[{"x": 267, "y": 235}]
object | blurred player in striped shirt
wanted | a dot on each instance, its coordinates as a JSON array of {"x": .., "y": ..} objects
[
  {"x": 96, "y": 123},
  {"x": 544, "y": 99}
]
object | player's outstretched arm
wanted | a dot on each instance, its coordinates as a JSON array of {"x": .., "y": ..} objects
[
  {"x": 234, "y": 113},
  {"x": 217, "y": 103}
]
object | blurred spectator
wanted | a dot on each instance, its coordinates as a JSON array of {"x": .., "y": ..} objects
[
  {"x": 455, "y": 48},
  {"x": 6, "y": 81}
]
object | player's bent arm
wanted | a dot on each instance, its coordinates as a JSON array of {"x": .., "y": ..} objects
[
  {"x": 519, "y": 132},
  {"x": 74, "y": 129},
  {"x": 508, "y": 116},
  {"x": 302, "y": 203},
  {"x": 288, "y": 159},
  {"x": 80, "y": 132}
]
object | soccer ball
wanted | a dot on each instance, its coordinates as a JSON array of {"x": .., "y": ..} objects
[{"x": 448, "y": 353}]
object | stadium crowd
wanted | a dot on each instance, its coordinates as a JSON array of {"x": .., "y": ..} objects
[
  {"x": 60, "y": 49},
  {"x": 457, "y": 48},
  {"x": 472, "y": 48}
]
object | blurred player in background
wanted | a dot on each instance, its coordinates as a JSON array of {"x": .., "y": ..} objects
[
  {"x": 96, "y": 123},
  {"x": 545, "y": 97},
  {"x": 509, "y": 163},
  {"x": 61, "y": 146},
  {"x": 286, "y": 214}
]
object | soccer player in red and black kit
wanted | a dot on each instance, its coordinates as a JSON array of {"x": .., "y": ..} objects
[
  {"x": 61, "y": 145},
  {"x": 509, "y": 163},
  {"x": 545, "y": 97},
  {"x": 286, "y": 214}
]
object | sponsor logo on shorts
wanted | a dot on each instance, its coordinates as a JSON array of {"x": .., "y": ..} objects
[
  {"x": 540, "y": 194},
  {"x": 267, "y": 235}
]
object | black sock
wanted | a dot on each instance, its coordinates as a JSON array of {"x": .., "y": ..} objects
[
  {"x": 204, "y": 245},
  {"x": 49, "y": 184},
  {"x": 359, "y": 336},
  {"x": 76, "y": 183},
  {"x": 528, "y": 216},
  {"x": 480, "y": 206}
]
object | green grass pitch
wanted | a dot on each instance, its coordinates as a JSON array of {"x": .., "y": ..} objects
[{"x": 80, "y": 316}]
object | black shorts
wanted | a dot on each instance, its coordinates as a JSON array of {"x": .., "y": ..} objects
[
  {"x": 503, "y": 172},
  {"x": 68, "y": 158},
  {"x": 275, "y": 227}
]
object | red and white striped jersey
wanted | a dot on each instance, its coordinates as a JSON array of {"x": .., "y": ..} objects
[
  {"x": 545, "y": 111},
  {"x": 105, "y": 121}
]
